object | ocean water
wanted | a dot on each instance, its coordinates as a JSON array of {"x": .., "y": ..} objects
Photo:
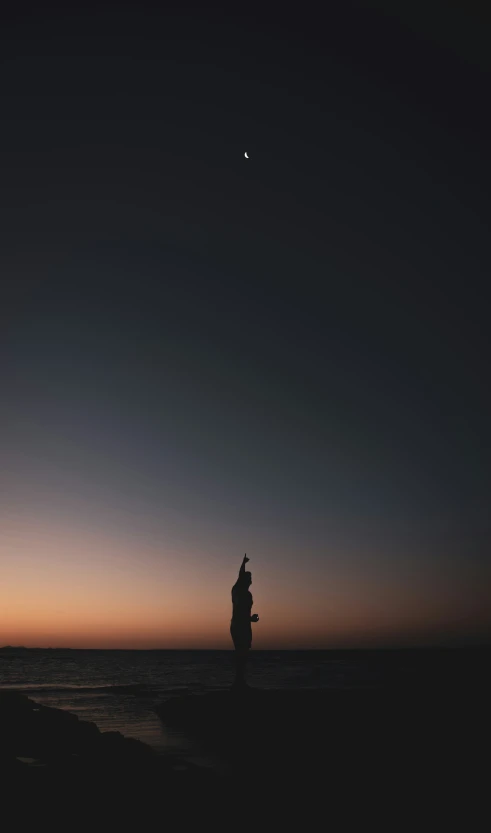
[{"x": 118, "y": 690}]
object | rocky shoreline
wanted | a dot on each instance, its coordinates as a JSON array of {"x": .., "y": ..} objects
[
  {"x": 421, "y": 746},
  {"x": 39, "y": 743},
  {"x": 280, "y": 748}
]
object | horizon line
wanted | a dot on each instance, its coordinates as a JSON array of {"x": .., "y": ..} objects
[{"x": 400, "y": 647}]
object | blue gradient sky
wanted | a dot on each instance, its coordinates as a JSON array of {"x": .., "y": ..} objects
[{"x": 203, "y": 356}]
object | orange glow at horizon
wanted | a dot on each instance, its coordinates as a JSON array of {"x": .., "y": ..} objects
[{"x": 97, "y": 589}]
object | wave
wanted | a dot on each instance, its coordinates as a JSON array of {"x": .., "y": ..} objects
[{"x": 130, "y": 688}]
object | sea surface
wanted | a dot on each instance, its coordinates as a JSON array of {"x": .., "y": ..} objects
[{"x": 118, "y": 690}]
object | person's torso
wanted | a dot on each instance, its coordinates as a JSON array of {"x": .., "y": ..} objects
[{"x": 241, "y": 605}]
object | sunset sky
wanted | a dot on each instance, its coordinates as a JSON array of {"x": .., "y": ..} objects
[{"x": 203, "y": 355}]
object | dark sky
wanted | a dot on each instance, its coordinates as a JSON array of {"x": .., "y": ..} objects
[{"x": 289, "y": 355}]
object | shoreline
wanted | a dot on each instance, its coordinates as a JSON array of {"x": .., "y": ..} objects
[{"x": 422, "y": 746}]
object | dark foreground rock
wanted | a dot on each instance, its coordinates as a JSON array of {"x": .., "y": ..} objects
[
  {"x": 55, "y": 739},
  {"x": 391, "y": 757},
  {"x": 52, "y": 763},
  {"x": 410, "y": 749}
]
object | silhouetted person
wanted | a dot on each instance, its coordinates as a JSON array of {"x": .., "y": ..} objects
[{"x": 240, "y": 626}]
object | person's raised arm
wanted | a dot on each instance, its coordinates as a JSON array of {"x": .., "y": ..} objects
[{"x": 242, "y": 566}]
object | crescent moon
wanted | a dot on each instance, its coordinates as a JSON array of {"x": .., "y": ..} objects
[{"x": 246, "y": 156}]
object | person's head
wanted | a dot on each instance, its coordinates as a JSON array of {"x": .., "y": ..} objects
[{"x": 247, "y": 579}]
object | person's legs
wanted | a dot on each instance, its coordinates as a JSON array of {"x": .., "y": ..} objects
[
  {"x": 241, "y": 645},
  {"x": 240, "y": 666}
]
